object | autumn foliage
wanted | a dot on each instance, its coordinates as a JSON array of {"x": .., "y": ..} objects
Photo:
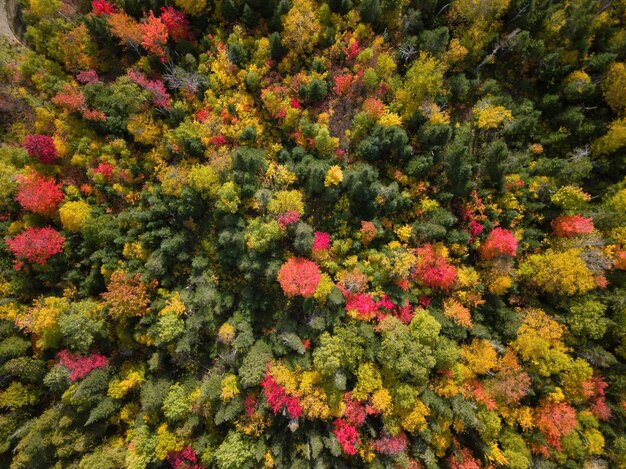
[
  {"x": 102, "y": 7},
  {"x": 500, "y": 242},
  {"x": 154, "y": 34},
  {"x": 39, "y": 194},
  {"x": 78, "y": 366},
  {"x": 176, "y": 23},
  {"x": 247, "y": 234},
  {"x": 35, "y": 245},
  {"x": 126, "y": 295},
  {"x": 555, "y": 420},
  {"x": 278, "y": 399},
  {"x": 572, "y": 225},
  {"x": 299, "y": 276},
  {"x": 347, "y": 435},
  {"x": 41, "y": 147},
  {"x": 433, "y": 269}
]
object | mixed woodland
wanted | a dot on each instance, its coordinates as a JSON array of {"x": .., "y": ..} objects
[{"x": 313, "y": 234}]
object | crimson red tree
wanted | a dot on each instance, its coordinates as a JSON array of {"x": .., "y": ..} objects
[
  {"x": 41, "y": 147},
  {"x": 433, "y": 269},
  {"x": 35, "y": 245},
  {"x": 39, "y": 194},
  {"x": 176, "y": 23},
  {"x": 500, "y": 242}
]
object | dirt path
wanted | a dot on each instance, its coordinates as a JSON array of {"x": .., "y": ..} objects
[{"x": 5, "y": 27}]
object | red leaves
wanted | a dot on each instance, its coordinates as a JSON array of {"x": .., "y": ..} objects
[
  {"x": 105, "y": 169},
  {"x": 355, "y": 411},
  {"x": 481, "y": 395},
  {"x": 342, "y": 84},
  {"x": 288, "y": 218},
  {"x": 202, "y": 115},
  {"x": 347, "y": 435},
  {"x": 278, "y": 399},
  {"x": 500, "y": 242},
  {"x": 299, "y": 276},
  {"x": 475, "y": 228},
  {"x": 186, "y": 458},
  {"x": 351, "y": 50},
  {"x": 73, "y": 100},
  {"x": 176, "y": 23},
  {"x": 374, "y": 108},
  {"x": 39, "y": 194},
  {"x": 40, "y": 147},
  {"x": 81, "y": 366},
  {"x": 363, "y": 303},
  {"x": 102, "y": 7},
  {"x": 555, "y": 420},
  {"x": 568, "y": 226},
  {"x": 70, "y": 98},
  {"x": 390, "y": 445},
  {"x": 295, "y": 104},
  {"x": 160, "y": 96},
  {"x": 154, "y": 34},
  {"x": 249, "y": 404},
  {"x": 432, "y": 269},
  {"x": 463, "y": 459},
  {"x": 88, "y": 77},
  {"x": 94, "y": 115},
  {"x": 218, "y": 141},
  {"x": 593, "y": 389},
  {"x": 321, "y": 241},
  {"x": 36, "y": 245},
  {"x": 511, "y": 386},
  {"x": 367, "y": 308}
]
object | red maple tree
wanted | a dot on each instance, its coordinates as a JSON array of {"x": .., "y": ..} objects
[
  {"x": 81, "y": 366},
  {"x": 555, "y": 420},
  {"x": 154, "y": 34},
  {"x": 176, "y": 23},
  {"x": 102, "y": 7},
  {"x": 432, "y": 269},
  {"x": 500, "y": 242},
  {"x": 41, "y": 147},
  {"x": 35, "y": 245},
  {"x": 568, "y": 226},
  {"x": 321, "y": 241},
  {"x": 277, "y": 397},
  {"x": 70, "y": 98},
  {"x": 299, "y": 276},
  {"x": 39, "y": 194},
  {"x": 347, "y": 435}
]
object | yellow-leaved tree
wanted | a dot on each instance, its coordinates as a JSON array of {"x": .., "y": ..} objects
[
  {"x": 302, "y": 27},
  {"x": 423, "y": 80},
  {"x": 615, "y": 87},
  {"x": 563, "y": 273},
  {"x": 539, "y": 343}
]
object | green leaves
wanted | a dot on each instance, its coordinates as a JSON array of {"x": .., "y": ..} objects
[{"x": 254, "y": 365}]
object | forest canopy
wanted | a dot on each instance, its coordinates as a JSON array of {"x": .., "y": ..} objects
[{"x": 313, "y": 234}]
